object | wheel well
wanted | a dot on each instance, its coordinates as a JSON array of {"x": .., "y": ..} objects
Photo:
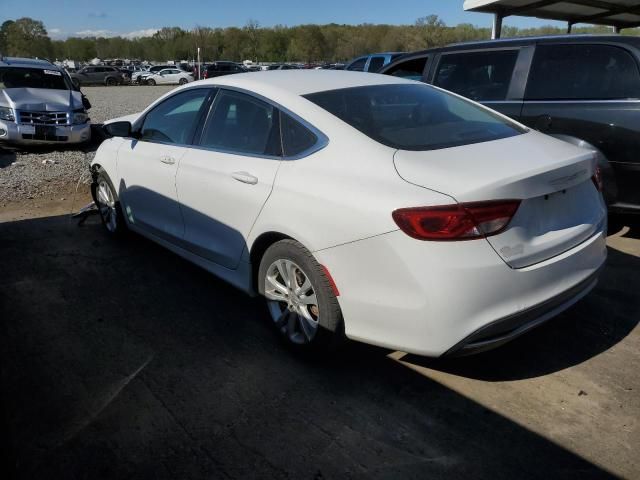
[{"x": 261, "y": 244}]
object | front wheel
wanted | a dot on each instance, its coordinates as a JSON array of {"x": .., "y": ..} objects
[
  {"x": 300, "y": 299},
  {"x": 111, "y": 82},
  {"x": 183, "y": 81},
  {"x": 106, "y": 199},
  {"x": 151, "y": 82}
]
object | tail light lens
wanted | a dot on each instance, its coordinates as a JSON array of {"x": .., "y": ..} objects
[
  {"x": 597, "y": 179},
  {"x": 464, "y": 221}
]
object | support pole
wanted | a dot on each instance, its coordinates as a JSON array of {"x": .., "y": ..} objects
[
  {"x": 496, "y": 31},
  {"x": 569, "y": 27},
  {"x": 617, "y": 29}
]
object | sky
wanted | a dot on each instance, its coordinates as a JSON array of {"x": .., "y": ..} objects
[{"x": 64, "y": 18}]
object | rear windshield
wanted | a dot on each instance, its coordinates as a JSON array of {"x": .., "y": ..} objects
[
  {"x": 12, "y": 77},
  {"x": 414, "y": 117}
]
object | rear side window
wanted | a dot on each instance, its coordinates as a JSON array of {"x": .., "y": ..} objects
[
  {"x": 296, "y": 138},
  {"x": 583, "y": 72},
  {"x": 376, "y": 64},
  {"x": 480, "y": 76},
  {"x": 409, "y": 69},
  {"x": 241, "y": 123},
  {"x": 411, "y": 116},
  {"x": 358, "y": 65}
]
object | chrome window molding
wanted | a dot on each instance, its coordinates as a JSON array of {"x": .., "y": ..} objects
[{"x": 321, "y": 142}]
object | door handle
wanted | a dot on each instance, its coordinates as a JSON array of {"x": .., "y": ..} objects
[
  {"x": 245, "y": 177},
  {"x": 168, "y": 160}
]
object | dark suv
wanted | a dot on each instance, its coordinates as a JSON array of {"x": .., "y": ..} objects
[
  {"x": 217, "y": 69},
  {"x": 99, "y": 75},
  {"x": 581, "y": 88}
]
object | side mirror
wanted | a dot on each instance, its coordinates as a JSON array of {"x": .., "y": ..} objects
[
  {"x": 85, "y": 102},
  {"x": 118, "y": 129}
]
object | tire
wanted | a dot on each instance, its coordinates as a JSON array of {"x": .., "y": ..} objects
[
  {"x": 106, "y": 199},
  {"x": 183, "y": 81},
  {"x": 306, "y": 327},
  {"x": 151, "y": 82},
  {"x": 111, "y": 82}
]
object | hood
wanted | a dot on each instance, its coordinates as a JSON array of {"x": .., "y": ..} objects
[{"x": 40, "y": 99}]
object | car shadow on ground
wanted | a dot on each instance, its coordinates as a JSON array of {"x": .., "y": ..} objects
[
  {"x": 121, "y": 360},
  {"x": 627, "y": 226}
]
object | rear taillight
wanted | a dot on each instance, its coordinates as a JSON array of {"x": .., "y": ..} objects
[
  {"x": 465, "y": 221},
  {"x": 597, "y": 179},
  {"x": 205, "y": 74}
]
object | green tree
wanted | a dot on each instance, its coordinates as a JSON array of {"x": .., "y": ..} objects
[{"x": 27, "y": 37}]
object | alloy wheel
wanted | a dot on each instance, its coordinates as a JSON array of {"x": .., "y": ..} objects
[
  {"x": 107, "y": 206},
  {"x": 292, "y": 301}
]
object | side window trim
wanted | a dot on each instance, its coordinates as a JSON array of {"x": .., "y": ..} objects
[
  {"x": 139, "y": 123},
  {"x": 321, "y": 143}
]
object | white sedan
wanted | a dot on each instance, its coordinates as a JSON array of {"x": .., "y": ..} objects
[
  {"x": 361, "y": 206},
  {"x": 168, "y": 76}
]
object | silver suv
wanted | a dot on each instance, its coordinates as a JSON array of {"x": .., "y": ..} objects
[{"x": 39, "y": 105}]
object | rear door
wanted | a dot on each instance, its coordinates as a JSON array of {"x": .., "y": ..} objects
[
  {"x": 225, "y": 180},
  {"x": 490, "y": 77},
  {"x": 591, "y": 92}
]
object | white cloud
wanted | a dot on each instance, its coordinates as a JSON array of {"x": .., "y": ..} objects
[
  {"x": 96, "y": 33},
  {"x": 147, "y": 32}
]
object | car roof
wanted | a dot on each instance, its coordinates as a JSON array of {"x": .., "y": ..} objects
[
  {"x": 520, "y": 41},
  {"x": 301, "y": 82},
  {"x": 27, "y": 63}
]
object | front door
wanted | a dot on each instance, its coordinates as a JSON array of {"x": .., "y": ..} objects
[
  {"x": 224, "y": 181},
  {"x": 147, "y": 165}
]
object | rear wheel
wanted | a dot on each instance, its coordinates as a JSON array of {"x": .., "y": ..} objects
[{"x": 301, "y": 302}]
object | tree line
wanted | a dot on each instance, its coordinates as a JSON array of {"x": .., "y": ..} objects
[{"x": 26, "y": 37}]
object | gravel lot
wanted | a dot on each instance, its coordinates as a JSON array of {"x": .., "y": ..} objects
[{"x": 52, "y": 174}]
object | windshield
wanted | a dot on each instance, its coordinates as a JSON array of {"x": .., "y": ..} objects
[
  {"x": 13, "y": 77},
  {"x": 414, "y": 116}
]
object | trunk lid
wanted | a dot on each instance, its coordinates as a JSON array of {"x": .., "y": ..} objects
[{"x": 560, "y": 205}]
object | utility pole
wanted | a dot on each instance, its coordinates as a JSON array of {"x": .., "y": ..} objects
[{"x": 199, "y": 66}]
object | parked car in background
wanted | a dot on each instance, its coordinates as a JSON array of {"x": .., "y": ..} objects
[
  {"x": 39, "y": 105},
  {"x": 168, "y": 76},
  {"x": 400, "y": 214},
  {"x": 99, "y": 75},
  {"x": 583, "y": 89},
  {"x": 137, "y": 77},
  {"x": 221, "y": 68},
  {"x": 283, "y": 66},
  {"x": 372, "y": 63}
]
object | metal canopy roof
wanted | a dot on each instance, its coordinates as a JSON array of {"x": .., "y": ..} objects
[{"x": 616, "y": 13}]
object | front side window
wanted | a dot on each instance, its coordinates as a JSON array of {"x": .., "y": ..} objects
[
  {"x": 13, "y": 77},
  {"x": 414, "y": 116},
  {"x": 582, "y": 72},
  {"x": 358, "y": 65},
  {"x": 240, "y": 123},
  {"x": 296, "y": 138},
  {"x": 173, "y": 120},
  {"x": 480, "y": 76},
  {"x": 409, "y": 69}
]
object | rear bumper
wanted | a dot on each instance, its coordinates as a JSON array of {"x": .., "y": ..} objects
[
  {"x": 506, "y": 329},
  {"x": 437, "y": 298},
  {"x": 19, "y": 134}
]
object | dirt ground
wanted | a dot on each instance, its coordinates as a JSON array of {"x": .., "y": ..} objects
[{"x": 121, "y": 360}]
